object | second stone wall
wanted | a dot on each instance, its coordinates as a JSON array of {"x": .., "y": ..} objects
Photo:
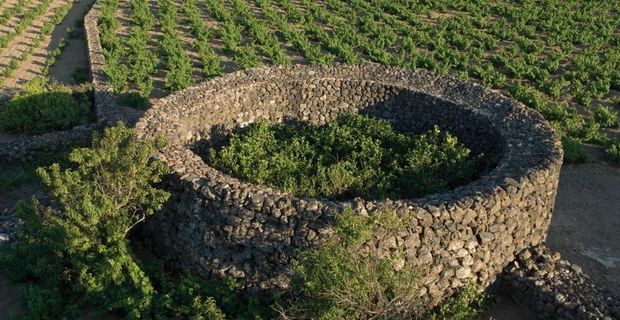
[{"x": 104, "y": 104}]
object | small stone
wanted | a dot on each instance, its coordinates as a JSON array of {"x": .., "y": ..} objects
[
  {"x": 425, "y": 259},
  {"x": 462, "y": 253},
  {"x": 456, "y": 245},
  {"x": 526, "y": 254},
  {"x": 468, "y": 261},
  {"x": 4, "y": 238},
  {"x": 486, "y": 237},
  {"x": 559, "y": 298},
  {"x": 576, "y": 268},
  {"x": 462, "y": 273}
]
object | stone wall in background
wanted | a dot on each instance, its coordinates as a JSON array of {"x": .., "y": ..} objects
[
  {"x": 223, "y": 226},
  {"x": 26, "y": 148}
]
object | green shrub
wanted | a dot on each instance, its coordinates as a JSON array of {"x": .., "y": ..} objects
[
  {"x": 614, "y": 151},
  {"x": 45, "y": 109},
  {"x": 467, "y": 304},
  {"x": 134, "y": 100},
  {"x": 78, "y": 251},
  {"x": 352, "y": 156},
  {"x": 606, "y": 117},
  {"x": 345, "y": 280},
  {"x": 573, "y": 151},
  {"x": 80, "y": 75}
]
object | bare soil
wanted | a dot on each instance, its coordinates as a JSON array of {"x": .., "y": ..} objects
[
  {"x": 73, "y": 56},
  {"x": 586, "y": 222}
]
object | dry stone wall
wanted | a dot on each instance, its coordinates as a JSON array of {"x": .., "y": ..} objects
[
  {"x": 226, "y": 227},
  {"x": 541, "y": 280},
  {"x": 537, "y": 279}
]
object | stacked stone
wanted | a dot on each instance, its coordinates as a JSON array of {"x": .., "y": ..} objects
[
  {"x": 226, "y": 227},
  {"x": 539, "y": 279},
  {"x": 9, "y": 226},
  {"x": 26, "y": 148}
]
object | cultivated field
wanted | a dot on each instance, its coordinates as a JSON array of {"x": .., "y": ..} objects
[{"x": 560, "y": 57}]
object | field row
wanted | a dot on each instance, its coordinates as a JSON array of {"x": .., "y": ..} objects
[
  {"x": 25, "y": 36},
  {"x": 559, "y": 57}
]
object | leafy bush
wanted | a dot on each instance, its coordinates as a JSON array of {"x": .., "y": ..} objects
[
  {"x": 606, "y": 117},
  {"x": 79, "y": 251},
  {"x": 467, "y": 304},
  {"x": 80, "y": 75},
  {"x": 345, "y": 280},
  {"x": 614, "y": 151},
  {"x": 352, "y": 156},
  {"x": 573, "y": 151},
  {"x": 45, "y": 108},
  {"x": 134, "y": 100}
]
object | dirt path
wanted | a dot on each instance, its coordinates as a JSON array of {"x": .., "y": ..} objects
[
  {"x": 73, "y": 56},
  {"x": 586, "y": 222}
]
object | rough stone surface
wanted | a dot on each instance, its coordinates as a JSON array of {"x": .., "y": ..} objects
[
  {"x": 226, "y": 227},
  {"x": 557, "y": 289}
]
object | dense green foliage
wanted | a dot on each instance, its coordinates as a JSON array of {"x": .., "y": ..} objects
[
  {"x": 345, "y": 279},
  {"x": 614, "y": 151},
  {"x": 573, "y": 151},
  {"x": 467, "y": 304},
  {"x": 134, "y": 100},
  {"x": 352, "y": 156},
  {"x": 77, "y": 252},
  {"x": 46, "y": 108}
]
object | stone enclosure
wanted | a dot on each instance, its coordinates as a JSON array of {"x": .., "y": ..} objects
[{"x": 226, "y": 227}]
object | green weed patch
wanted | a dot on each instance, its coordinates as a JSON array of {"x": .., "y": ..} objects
[
  {"x": 46, "y": 108},
  {"x": 353, "y": 156}
]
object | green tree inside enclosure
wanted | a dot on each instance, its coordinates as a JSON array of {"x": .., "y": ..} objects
[{"x": 352, "y": 156}]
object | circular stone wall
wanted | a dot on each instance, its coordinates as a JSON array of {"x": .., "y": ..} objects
[{"x": 226, "y": 227}]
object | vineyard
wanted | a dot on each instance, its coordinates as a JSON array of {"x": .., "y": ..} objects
[
  {"x": 561, "y": 58},
  {"x": 30, "y": 39}
]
